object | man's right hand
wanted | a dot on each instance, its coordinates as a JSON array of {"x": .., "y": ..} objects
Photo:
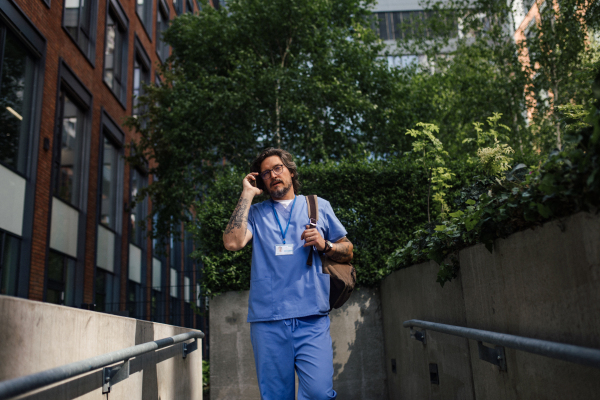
[{"x": 249, "y": 184}]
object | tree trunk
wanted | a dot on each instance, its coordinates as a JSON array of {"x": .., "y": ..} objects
[
  {"x": 277, "y": 116},
  {"x": 428, "y": 195}
]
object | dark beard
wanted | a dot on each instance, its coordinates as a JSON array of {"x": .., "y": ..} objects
[{"x": 277, "y": 194}]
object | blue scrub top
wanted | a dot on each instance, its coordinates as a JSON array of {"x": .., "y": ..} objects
[{"x": 283, "y": 287}]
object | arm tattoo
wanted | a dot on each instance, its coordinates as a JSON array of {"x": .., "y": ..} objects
[
  {"x": 239, "y": 218},
  {"x": 343, "y": 252}
]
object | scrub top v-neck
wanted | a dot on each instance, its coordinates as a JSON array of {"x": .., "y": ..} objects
[{"x": 283, "y": 286}]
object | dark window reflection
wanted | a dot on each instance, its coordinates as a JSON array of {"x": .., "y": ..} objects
[
  {"x": 162, "y": 23},
  {"x": 113, "y": 65},
  {"x": 77, "y": 21},
  {"x": 109, "y": 185},
  {"x": 61, "y": 277},
  {"x": 10, "y": 248},
  {"x": 16, "y": 90},
  {"x": 106, "y": 286},
  {"x": 138, "y": 212},
  {"x": 141, "y": 77},
  {"x": 68, "y": 181}
]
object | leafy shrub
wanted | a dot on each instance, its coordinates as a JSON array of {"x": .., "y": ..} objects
[
  {"x": 378, "y": 202},
  {"x": 567, "y": 182}
]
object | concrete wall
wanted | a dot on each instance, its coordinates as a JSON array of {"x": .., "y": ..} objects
[
  {"x": 542, "y": 283},
  {"x": 38, "y": 336},
  {"x": 357, "y": 335}
]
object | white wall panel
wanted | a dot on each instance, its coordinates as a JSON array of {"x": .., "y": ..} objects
[
  {"x": 64, "y": 228},
  {"x": 156, "y": 274},
  {"x": 105, "y": 255},
  {"x": 174, "y": 282},
  {"x": 135, "y": 263},
  {"x": 186, "y": 289},
  {"x": 12, "y": 201},
  {"x": 397, "y": 5}
]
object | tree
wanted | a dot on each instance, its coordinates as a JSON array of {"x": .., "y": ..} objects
[
  {"x": 306, "y": 75},
  {"x": 472, "y": 70},
  {"x": 480, "y": 69},
  {"x": 560, "y": 52}
]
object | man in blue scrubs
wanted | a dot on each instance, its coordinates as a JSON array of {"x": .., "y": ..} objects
[{"x": 289, "y": 300}]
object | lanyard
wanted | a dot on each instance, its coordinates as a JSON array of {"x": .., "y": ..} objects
[{"x": 289, "y": 219}]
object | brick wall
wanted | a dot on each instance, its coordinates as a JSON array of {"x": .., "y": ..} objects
[{"x": 48, "y": 21}]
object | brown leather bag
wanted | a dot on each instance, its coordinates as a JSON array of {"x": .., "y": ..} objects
[{"x": 342, "y": 276}]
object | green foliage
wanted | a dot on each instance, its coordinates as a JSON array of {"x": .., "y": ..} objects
[
  {"x": 475, "y": 68},
  {"x": 469, "y": 71},
  {"x": 430, "y": 154},
  {"x": 493, "y": 161},
  {"x": 205, "y": 378},
  {"x": 304, "y": 75},
  {"x": 378, "y": 202},
  {"x": 561, "y": 55},
  {"x": 567, "y": 182}
]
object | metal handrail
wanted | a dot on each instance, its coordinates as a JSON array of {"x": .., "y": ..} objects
[
  {"x": 24, "y": 384},
  {"x": 567, "y": 352}
]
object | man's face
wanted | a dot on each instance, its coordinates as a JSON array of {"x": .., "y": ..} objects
[{"x": 277, "y": 186}]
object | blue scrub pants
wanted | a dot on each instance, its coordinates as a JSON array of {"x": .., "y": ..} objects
[{"x": 303, "y": 344}]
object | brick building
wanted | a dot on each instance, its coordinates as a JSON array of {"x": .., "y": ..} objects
[{"x": 69, "y": 75}]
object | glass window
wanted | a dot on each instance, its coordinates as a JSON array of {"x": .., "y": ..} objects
[
  {"x": 10, "y": 247},
  {"x": 135, "y": 301},
  {"x": 77, "y": 20},
  {"x": 189, "y": 6},
  {"x": 138, "y": 212},
  {"x": 144, "y": 11},
  {"x": 114, "y": 55},
  {"x": 69, "y": 159},
  {"x": 162, "y": 23},
  {"x": 178, "y": 6},
  {"x": 110, "y": 168},
  {"x": 106, "y": 286},
  {"x": 141, "y": 76},
  {"x": 61, "y": 276},
  {"x": 16, "y": 95},
  {"x": 159, "y": 292}
]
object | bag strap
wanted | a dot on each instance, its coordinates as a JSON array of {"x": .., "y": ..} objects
[{"x": 313, "y": 213}]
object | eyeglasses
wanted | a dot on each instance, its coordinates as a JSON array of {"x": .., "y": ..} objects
[{"x": 278, "y": 169}]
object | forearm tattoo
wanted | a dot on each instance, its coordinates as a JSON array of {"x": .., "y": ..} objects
[
  {"x": 342, "y": 251},
  {"x": 239, "y": 218}
]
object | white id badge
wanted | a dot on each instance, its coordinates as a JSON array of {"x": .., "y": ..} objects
[{"x": 284, "y": 249}]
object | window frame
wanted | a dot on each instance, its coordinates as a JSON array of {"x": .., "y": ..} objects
[
  {"x": 19, "y": 23},
  {"x": 111, "y": 130},
  {"x": 159, "y": 251},
  {"x": 164, "y": 11},
  {"x": 90, "y": 52},
  {"x": 123, "y": 21},
  {"x": 178, "y": 6},
  {"x": 147, "y": 24},
  {"x": 140, "y": 53},
  {"x": 70, "y": 84}
]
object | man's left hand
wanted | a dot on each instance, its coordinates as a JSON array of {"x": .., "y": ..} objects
[{"x": 313, "y": 238}]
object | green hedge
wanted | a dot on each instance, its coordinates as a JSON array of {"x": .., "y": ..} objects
[{"x": 379, "y": 202}]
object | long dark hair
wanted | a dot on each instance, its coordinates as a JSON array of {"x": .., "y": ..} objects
[{"x": 286, "y": 159}]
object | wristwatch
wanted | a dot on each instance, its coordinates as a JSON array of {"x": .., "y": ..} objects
[{"x": 328, "y": 246}]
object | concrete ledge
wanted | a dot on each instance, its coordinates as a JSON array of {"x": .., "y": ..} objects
[
  {"x": 542, "y": 283},
  {"x": 38, "y": 336},
  {"x": 357, "y": 339}
]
